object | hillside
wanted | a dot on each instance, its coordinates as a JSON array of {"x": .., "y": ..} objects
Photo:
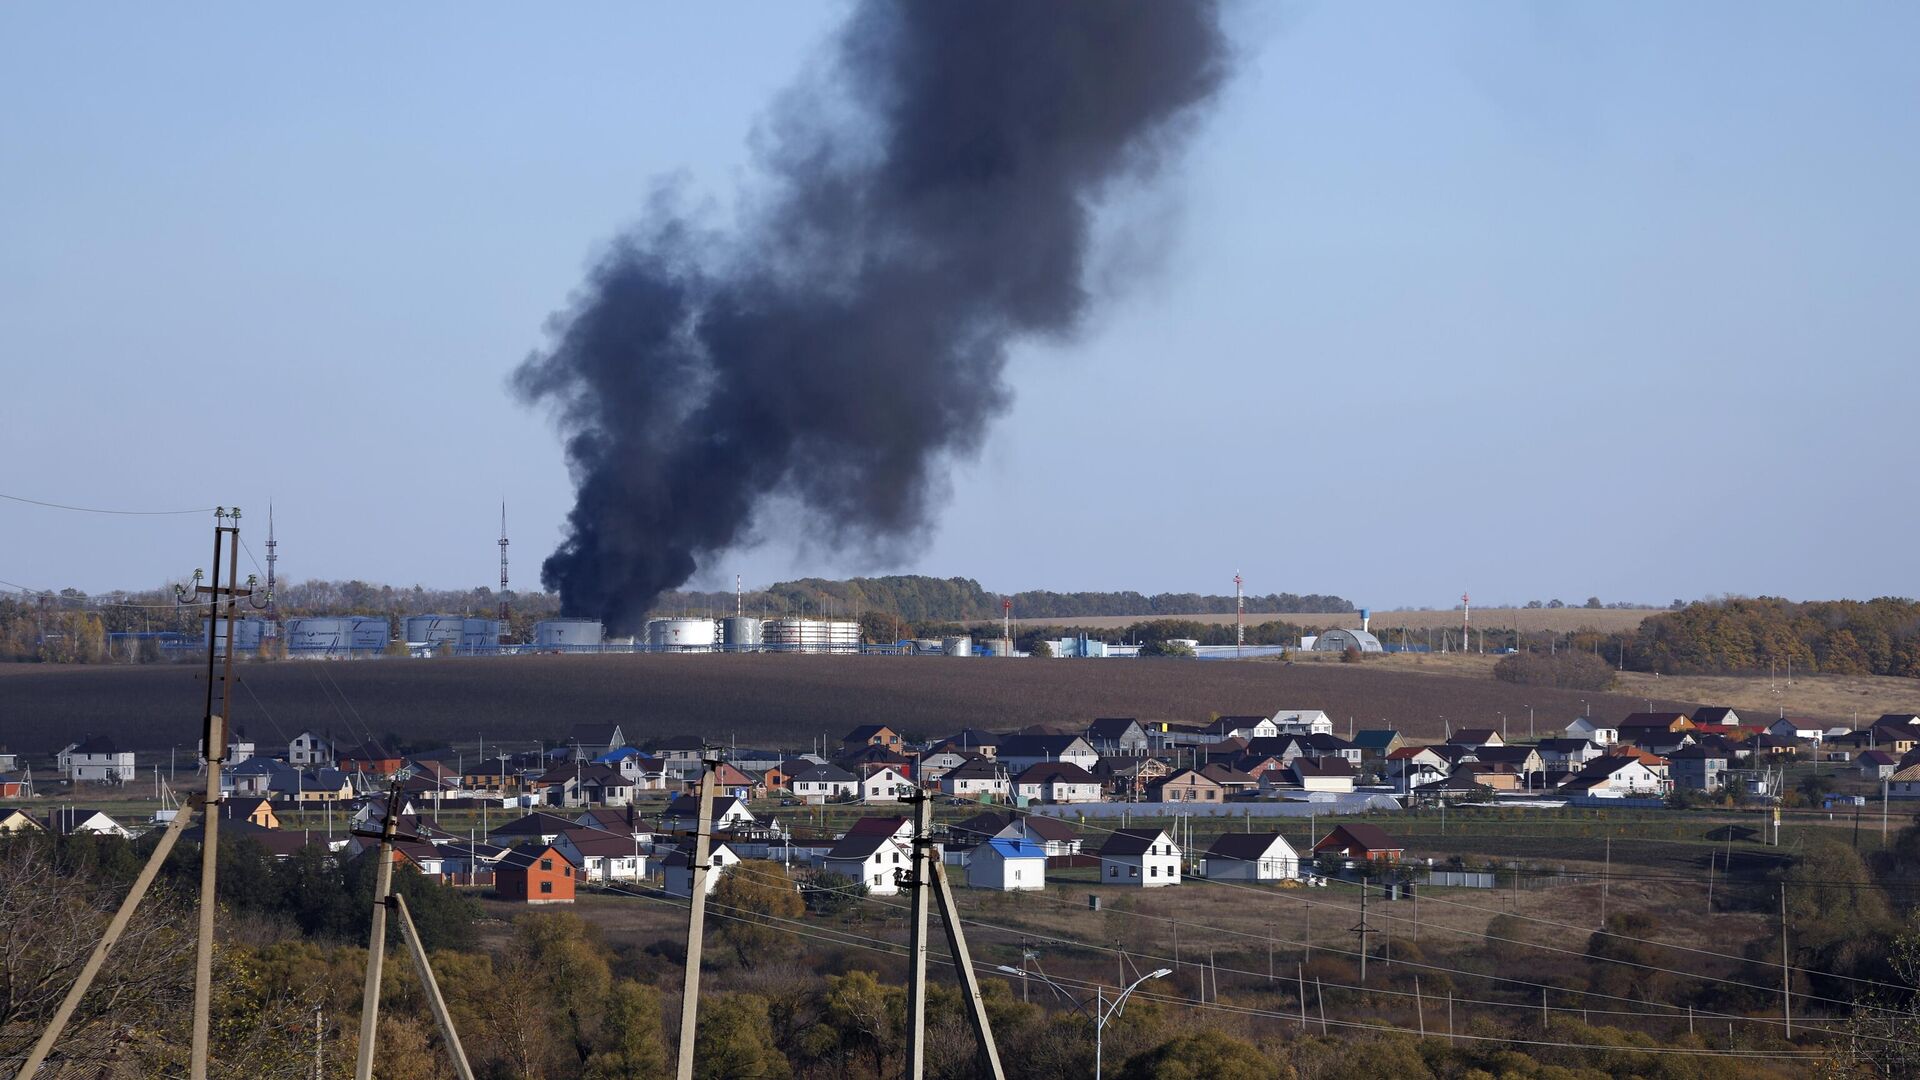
[{"x": 785, "y": 700}]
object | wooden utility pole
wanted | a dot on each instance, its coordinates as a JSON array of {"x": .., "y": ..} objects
[
  {"x": 696, "y": 915},
  {"x": 917, "y": 887}
]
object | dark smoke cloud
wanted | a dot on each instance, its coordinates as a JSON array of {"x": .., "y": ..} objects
[{"x": 929, "y": 203}]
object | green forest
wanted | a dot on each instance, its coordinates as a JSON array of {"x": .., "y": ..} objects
[{"x": 1744, "y": 636}]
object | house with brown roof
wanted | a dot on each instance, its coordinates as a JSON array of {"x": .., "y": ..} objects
[
  {"x": 1326, "y": 774},
  {"x": 865, "y": 735},
  {"x": 1250, "y": 857},
  {"x": 1145, "y": 858},
  {"x": 1057, "y": 782},
  {"x": 254, "y": 811},
  {"x": 1359, "y": 840},
  {"x": 1187, "y": 786}
]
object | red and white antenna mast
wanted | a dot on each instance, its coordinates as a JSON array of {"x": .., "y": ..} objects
[
  {"x": 739, "y": 597},
  {"x": 505, "y": 607},
  {"x": 1239, "y": 615},
  {"x": 1006, "y": 621}
]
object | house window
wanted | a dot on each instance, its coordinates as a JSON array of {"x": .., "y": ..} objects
[
  {"x": 1153, "y": 871},
  {"x": 1016, "y": 875},
  {"x": 546, "y": 864},
  {"x": 876, "y": 879},
  {"x": 1113, "y": 871},
  {"x": 1133, "y": 871},
  {"x": 546, "y": 886}
]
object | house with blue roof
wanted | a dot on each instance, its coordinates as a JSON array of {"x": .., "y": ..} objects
[{"x": 1007, "y": 864}]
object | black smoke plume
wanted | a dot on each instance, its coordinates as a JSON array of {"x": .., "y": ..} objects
[{"x": 927, "y": 204}]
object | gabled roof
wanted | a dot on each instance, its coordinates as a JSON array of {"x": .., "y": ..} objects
[
  {"x": 1697, "y": 753},
  {"x": 1326, "y": 766},
  {"x": 1407, "y": 752},
  {"x": 1564, "y": 746},
  {"x": 878, "y": 826},
  {"x": 1474, "y": 736},
  {"x": 1246, "y": 847},
  {"x": 523, "y": 858},
  {"x": 1049, "y": 828},
  {"x": 1043, "y": 745},
  {"x": 859, "y": 848},
  {"x": 1111, "y": 727},
  {"x": 968, "y": 738},
  {"x": 534, "y": 824},
  {"x": 1655, "y": 719},
  {"x": 1374, "y": 738},
  {"x": 1874, "y": 757},
  {"x": 823, "y": 774},
  {"x": 1505, "y": 755},
  {"x": 1715, "y": 714},
  {"x": 1056, "y": 772},
  {"x": 1132, "y": 841},
  {"x": 595, "y": 842},
  {"x": 1015, "y": 848},
  {"x": 977, "y": 768},
  {"x": 1234, "y": 723},
  {"x": 593, "y": 734},
  {"x": 865, "y": 732},
  {"x": 1361, "y": 834},
  {"x": 1225, "y": 774},
  {"x": 981, "y": 826},
  {"x": 688, "y": 806},
  {"x": 65, "y": 819}
]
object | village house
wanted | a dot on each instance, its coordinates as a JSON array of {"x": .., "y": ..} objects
[
  {"x": 1146, "y": 858},
  {"x": 972, "y": 741},
  {"x": 1130, "y": 777},
  {"x": 70, "y": 820},
  {"x": 676, "y": 870},
  {"x": 1904, "y": 783},
  {"x": 1411, "y": 766},
  {"x": 875, "y": 858},
  {"x": 539, "y": 825},
  {"x": 1360, "y": 841},
  {"x": 535, "y": 874},
  {"x": 683, "y": 813},
  {"x": 1375, "y": 744},
  {"x": 977, "y": 778},
  {"x": 95, "y": 759},
  {"x": 1231, "y": 780},
  {"x": 1055, "y": 838},
  {"x": 312, "y": 786},
  {"x": 1798, "y": 729},
  {"x": 1007, "y": 864},
  {"x": 603, "y": 856},
  {"x": 1302, "y": 722},
  {"x": 935, "y": 764},
  {"x": 1616, "y": 776},
  {"x": 1877, "y": 765},
  {"x": 15, "y": 820},
  {"x": 372, "y": 760},
  {"x": 1567, "y": 754},
  {"x": 16, "y": 787},
  {"x": 1474, "y": 738},
  {"x": 1697, "y": 769},
  {"x": 558, "y": 786},
  {"x": 253, "y": 776},
  {"x": 885, "y": 785},
  {"x": 254, "y": 811},
  {"x": 1238, "y": 727},
  {"x": 1187, "y": 786},
  {"x": 1593, "y": 731},
  {"x": 1250, "y": 857},
  {"x": 1333, "y": 746},
  {"x": 1057, "y": 782},
  {"x": 823, "y": 783},
  {"x": 623, "y": 821},
  {"x": 1021, "y": 752},
  {"x": 1116, "y": 736},
  {"x": 1327, "y": 774},
  {"x": 593, "y": 740},
  {"x": 607, "y": 786},
  {"x": 1715, "y": 714},
  {"x": 866, "y": 735},
  {"x": 308, "y": 748}
]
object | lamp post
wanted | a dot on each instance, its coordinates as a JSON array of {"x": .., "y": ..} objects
[{"x": 1102, "y": 1012}]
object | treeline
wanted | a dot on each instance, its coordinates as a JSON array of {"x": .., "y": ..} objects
[
  {"x": 1743, "y": 636},
  {"x": 918, "y": 598}
]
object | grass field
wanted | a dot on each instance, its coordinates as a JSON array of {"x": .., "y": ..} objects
[
  {"x": 1561, "y": 620},
  {"x": 757, "y": 699}
]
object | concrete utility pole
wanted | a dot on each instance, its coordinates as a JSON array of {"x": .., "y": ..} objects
[
  {"x": 377, "y": 942},
  {"x": 917, "y": 940},
  {"x": 441, "y": 1016},
  {"x": 696, "y": 914}
]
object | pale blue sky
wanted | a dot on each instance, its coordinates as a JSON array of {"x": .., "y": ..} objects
[{"x": 1532, "y": 300}]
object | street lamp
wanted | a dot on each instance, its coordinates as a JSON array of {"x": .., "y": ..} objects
[{"x": 1102, "y": 1012}]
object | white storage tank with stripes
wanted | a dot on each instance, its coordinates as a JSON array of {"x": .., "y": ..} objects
[
  {"x": 957, "y": 646},
  {"x": 434, "y": 630},
  {"x": 320, "y": 636},
  {"x": 479, "y": 636},
  {"x": 681, "y": 634},
  {"x": 370, "y": 634},
  {"x": 812, "y": 635},
  {"x": 568, "y": 634},
  {"x": 248, "y": 635}
]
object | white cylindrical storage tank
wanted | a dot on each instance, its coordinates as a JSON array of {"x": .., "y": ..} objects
[
  {"x": 319, "y": 636},
  {"x": 479, "y": 635},
  {"x": 434, "y": 630},
  {"x": 811, "y": 635},
  {"x": 957, "y": 646},
  {"x": 370, "y": 634},
  {"x": 248, "y": 634},
  {"x": 682, "y": 635},
  {"x": 741, "y": 633},
  {"x": 1000, "y": 647},
  {"x": 568, "y": 634}
]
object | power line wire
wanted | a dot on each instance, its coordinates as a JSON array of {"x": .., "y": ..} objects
[{"x": 97, "y": 510}]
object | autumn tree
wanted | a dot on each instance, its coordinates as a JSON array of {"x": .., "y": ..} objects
[{"x": 753, "y": 896}]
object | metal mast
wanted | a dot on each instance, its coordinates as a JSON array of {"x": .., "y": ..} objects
[
  {"x": 1239, "y": 615},
  {"x": 505, "y": 607},
  {"x": 1466, "y": 622},
  {"x": 273, "y": 556}
]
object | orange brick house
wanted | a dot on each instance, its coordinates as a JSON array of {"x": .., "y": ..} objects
[{"x": 535, "y": 874}]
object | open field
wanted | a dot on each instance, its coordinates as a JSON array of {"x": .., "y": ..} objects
[
  {"x": 1561, "y": 620},
  {"x": 784, "y": 700}
]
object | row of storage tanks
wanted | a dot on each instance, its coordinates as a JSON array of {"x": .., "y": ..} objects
[{"x": 360, "y": 635}]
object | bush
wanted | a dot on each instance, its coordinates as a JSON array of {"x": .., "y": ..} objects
[
  {"x": 1564, "y": 671},
  {"x": 1351, "y": 655}
]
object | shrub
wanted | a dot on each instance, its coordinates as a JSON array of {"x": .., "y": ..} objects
[{"x": 1565, "y": 671}]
